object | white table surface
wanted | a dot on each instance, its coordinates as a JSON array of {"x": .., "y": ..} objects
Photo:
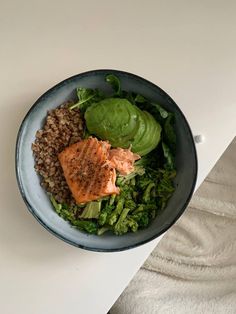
[{"x": 186, "y": 47}]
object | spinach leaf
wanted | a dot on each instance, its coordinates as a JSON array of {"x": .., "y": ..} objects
[
  {"x": 91, "y": 210},
  {"x": 163, "y": 113},
  {"x": 115, "y": 83},
  {"x": 165, "y": 189},
  {"x": 139, "y": 98},
  {"x": 169, "y": 132},
  {"x": 129, "y": 96},
  {"x": 168, "y": 156}
]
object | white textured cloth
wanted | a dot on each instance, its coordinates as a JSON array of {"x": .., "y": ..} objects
[{"x": 193, "y": 268}]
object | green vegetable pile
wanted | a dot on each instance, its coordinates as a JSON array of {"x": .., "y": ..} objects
[{"x": 127, "y": 119}]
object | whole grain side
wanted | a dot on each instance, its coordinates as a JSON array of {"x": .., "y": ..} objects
[{"x": 62, "y": 128}]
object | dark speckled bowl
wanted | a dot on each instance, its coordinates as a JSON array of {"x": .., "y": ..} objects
[{"x": 37, "y": 200}]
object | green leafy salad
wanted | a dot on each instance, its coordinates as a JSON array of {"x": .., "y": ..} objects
[{"x": 127, "y": 120}]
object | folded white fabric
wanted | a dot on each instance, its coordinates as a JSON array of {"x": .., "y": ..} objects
[{"x": 193, "y": 269}]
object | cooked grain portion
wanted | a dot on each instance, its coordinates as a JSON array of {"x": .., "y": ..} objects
[{"x": 62, "y": 128}]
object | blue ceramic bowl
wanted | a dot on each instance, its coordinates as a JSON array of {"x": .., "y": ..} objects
[{"x": 37, "y": 200}]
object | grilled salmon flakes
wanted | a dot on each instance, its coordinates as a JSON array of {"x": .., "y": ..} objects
[
  {"x": 87, "y": 170},
  {"x": 123, "y": 160}
]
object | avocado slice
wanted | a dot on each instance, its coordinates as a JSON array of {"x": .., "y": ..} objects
[
  {"x": 142, "y": 126},
  {"x": 123, "y": 124},
  {"x": 113, "y": 119},
  {"x": 151, "y": 136}
]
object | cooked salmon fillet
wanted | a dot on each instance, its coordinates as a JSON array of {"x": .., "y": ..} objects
[
  {"x": 123, "y": 160},
  {"x": 87, "y": 170}
]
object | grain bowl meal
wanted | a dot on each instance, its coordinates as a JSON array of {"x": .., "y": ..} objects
[{"x": 107, "y": 161}]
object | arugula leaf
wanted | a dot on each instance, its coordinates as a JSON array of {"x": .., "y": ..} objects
[
  {"x": 142, "y": 218},
  {"x": 104, "y": 214},
  {"x": 88, "y": 226},
  {"x": 147, "y": 192},
  {"x": 70, "y": 215},
  {"x": 116, "y": 212},
  {"x": 168, "y": 156},
  {"x": 121, "y": 225},
  {"x": 86, "y": 97},
  {"x": 114, "y": 82},
  {"x": 103, "y": 230},
  {"x": 57, "y": 206}
]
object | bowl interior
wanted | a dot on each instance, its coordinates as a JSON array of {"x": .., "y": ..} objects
[{"x": 37, "y": 200}]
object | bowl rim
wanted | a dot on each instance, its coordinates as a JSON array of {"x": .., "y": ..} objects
[{"x": 20, "y": 184}]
